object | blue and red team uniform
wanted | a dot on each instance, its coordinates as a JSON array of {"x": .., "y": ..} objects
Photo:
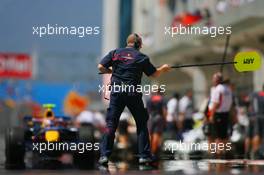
[{"x": 128, "y": 65}]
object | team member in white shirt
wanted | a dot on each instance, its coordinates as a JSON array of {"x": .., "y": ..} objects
[
  {"x": 186, "y": 110},
  {"x": 172, "y": 113},
  {"x": 219, "y": 109},
  {"x": 93, "y": 118}
]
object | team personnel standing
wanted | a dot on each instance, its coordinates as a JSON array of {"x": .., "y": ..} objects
[
  {"x": 186, "y": 111},
  {"x": 156, "y": 110},
  {"x": 128, "y": 65},
  {"x": 219, "y": 110},
  {"x": 172, "y": 113},
  {"x": 255, "y": 135}
]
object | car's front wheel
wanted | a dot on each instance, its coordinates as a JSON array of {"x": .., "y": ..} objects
[{"x": 14, "y": 148}]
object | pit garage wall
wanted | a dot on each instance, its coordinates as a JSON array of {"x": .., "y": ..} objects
[
  {"x": 166, "y": 50},
  {"x": 149, "y": 25},
  {"x": 199, "y": 84},
  {"x": 110, "y": 37}
]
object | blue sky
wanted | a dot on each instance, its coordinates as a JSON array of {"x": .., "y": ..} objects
[
  {"x": 63, "y": 61},
  {"x": 19, "y": 16}
]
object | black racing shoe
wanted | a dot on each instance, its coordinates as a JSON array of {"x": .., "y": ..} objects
[
  {"x": 103, "y": 160},
  {"x": 146, "y": 160},
  {"x": 258, "y": 155}
]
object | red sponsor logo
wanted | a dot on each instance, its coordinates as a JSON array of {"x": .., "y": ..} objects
[{"x": 15, "y": 66}]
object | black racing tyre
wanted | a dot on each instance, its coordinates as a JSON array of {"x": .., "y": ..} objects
[
  {"x": 14, "y": 148},
  {"x": 85, "y": 160}
]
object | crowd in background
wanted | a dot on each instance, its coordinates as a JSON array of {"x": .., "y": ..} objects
[
  {"x": 176, "y": 118},
  {"x": 239, "y": 121}
]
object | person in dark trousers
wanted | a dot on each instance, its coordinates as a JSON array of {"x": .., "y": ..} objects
[
  {"x": 127, "y": 66},
  {"x": 156, "y": 110},
  {"x": 186, "y": 110},
  {"x": 255, "y": 131}
]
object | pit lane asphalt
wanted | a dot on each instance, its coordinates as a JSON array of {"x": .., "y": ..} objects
[{"x": 179, "y": 167}]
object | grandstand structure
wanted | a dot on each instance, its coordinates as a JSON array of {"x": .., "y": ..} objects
[{"x": 150, "y": 19}]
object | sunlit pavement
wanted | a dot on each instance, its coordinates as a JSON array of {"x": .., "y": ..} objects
[{"x": 165, "y": 167}]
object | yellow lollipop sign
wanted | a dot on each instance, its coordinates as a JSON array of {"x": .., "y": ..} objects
[{"x": 247, "y": 61}]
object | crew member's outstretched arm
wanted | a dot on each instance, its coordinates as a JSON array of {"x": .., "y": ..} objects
[{"x": 164, "y": 68}]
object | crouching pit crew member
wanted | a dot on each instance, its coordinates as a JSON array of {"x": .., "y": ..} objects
[{"x": 128, "y": 64}]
